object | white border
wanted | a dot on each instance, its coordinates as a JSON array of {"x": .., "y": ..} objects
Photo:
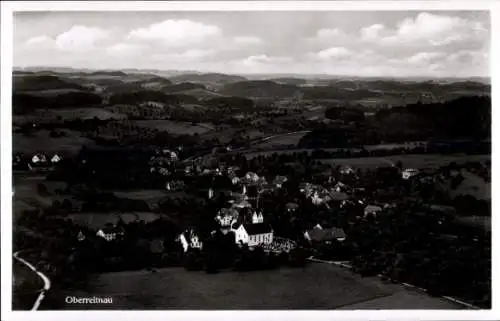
[{"x": 7, "y": 9}]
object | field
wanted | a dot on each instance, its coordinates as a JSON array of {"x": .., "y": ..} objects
[
  {"x": 142, "y": 194},
  {"x": 41, "y": 141},
  {"x": 282, "y": 140},
  {"x": 25, "y": 285},
  {"x": 85, "y": 113},
  {"x": 98, "y": 220},
  {"x": 409, "y": 161},
  {"x": 180, "y": 128},
  {"x": 317, "y": 286}
]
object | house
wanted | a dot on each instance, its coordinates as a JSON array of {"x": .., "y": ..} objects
[
  {"x": 252, "y": 177},
  {"x": 279, "y": 181},
  {"x": 80, "y": 237},
  {"x": 254, "y": 234},
  {"x": 409, "y": 172},
  {"x": 346, "y": 170},
  {"x": 55, "y": 159},
  {"x": 372, "y": 209},
  {"x": 234, "y": 178},
  {"x": 109, "y": 233},
  {"x": 325, "y": 234},
  {"x": 340, "y": 187},
  {"x": 317, "y": 199},
  {"x": 190, "y": 239},
  {"x": 291, "y": 207},
  {"x": 226, "y": 217},
  {"x": 39, "y": 158}
]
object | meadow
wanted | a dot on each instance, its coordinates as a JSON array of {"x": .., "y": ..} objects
[
  {"x": 174, "y": 127},
  {"x": 316, "y": 286}
]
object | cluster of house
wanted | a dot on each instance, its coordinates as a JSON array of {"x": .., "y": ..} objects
[{"x": 37, "y": 160}]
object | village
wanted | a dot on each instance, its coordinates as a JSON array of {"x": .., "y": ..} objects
[{"x": 224, "y": 212}]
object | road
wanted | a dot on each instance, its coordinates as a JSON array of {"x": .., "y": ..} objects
[{"x": 46, "y": 281}]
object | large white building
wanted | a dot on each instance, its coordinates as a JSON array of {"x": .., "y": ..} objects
[{"x": 254, "y": 234}]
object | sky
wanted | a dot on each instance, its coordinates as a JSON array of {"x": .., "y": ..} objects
[{"x": 356, "y": 43}]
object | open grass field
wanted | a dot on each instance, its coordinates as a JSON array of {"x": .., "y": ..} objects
[
  {"x": 422, "y": 162},
  {"x": 25, "y": 286},
  {"x": 144, "y": 194},
  {"x": 317, "y": 286},
  {"x": 180, "y": 128},
  {"x": 282, "y": 140},
  {"x": 42, "y": 142},
  {"x": 85, "y": 113},
  {"x": 98, "y": 220}
]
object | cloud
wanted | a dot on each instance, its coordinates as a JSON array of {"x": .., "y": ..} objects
[
  {"x": 175, "y": 32},
  {"x": 124, "y": 49},
  {"x": 247, "y": 40},
  {"x": 38, "y": 41},
  {"x": 80, "y": 38},
  {"x": 426, "y": 57},
  {"x": 332, "y": 53},
  {"x": 427, "y": 29}
]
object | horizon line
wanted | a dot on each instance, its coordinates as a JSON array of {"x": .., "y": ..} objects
[{"x": 184, "y": 71}]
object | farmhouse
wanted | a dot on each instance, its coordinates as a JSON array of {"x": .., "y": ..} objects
[
  {"x": 110, "y": 232},
  {"x": 252, "y": 177},
  {"x": 409, "y": 172},
  {"x": 39, "y": 158},
  {"x": 346, "y": 170},
  {"x": 226, "y": 217},
  {"x": 55, "y": 159},
  {"x": 324, "y": 234},
  {"x": 190, "y": 239},
  {"x": 254, "y": 234},
  {"x": 372, "y": 209},
  {"x": 279, "y": 181}
]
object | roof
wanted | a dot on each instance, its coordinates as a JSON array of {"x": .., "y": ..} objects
[
  {"x": 326, "y": 234},
  {"x": 259, "y": 228}
]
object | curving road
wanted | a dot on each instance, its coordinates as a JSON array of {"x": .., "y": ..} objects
[{"x": 46, "y": 281}]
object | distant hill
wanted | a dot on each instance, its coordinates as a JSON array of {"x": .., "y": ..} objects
[
  {"x": 41, "y": 82},
  {"x": 235, "y": 103},
  {"x": 209, "y": 78},
  {"x": 25, "y": 103},
  {"x": 181, "y": 87},
  {"x": 260, "y": 89},
  {"x": 289, "y": 81},
  {"x": 202, "y": 94},
  {"x": 142, "y": 96}
]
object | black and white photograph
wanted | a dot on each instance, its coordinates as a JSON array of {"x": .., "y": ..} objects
[{"x": 249, "y": 160}]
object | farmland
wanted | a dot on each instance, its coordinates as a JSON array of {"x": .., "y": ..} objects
[
  {"x": 410, "y": 161},
  {"x": 180, "y": 128},
  {"x": 318, "y": 285},
  {"x": 42, "y": 141},
  {"x": 98, "y": 220}
]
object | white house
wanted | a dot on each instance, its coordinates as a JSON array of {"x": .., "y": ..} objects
[
  {"x": 55, "y": 159},
  {"x": 325, "y": 235},
  {"x": 253, "y": 177},
  {"x": 226, "y": 217},
  {"x": 372, "y": 209},
  {"x": 107, "y": 233},
  {"x": 189, "y": 239},
  {"x": 317, "y": 199},
  {"x": 409, "y": 172},
  {"x": 38, "y": 158},
  {"x": 254, "y": 234},
  {"x": 346, "y": 170},
  {"x": 80, "y": 236}
]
